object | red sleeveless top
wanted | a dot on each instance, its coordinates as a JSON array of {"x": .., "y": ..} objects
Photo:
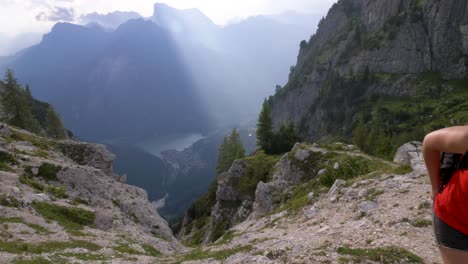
[{"x": 451, "y": 206}]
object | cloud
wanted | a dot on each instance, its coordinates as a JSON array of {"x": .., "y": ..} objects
[{"x": 57, "y": 14}]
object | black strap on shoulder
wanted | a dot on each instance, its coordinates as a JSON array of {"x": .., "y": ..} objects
[{"x": 463, "y": 163}]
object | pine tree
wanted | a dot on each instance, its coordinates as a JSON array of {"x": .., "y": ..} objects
[
  {"x": 265, "y": 127},
  {"x": 230, "y": 150},
  {"x": 284, "y": 139},
  {"x": 222, "y": 164},
  {"x": 55, "y": 127},
  {"x": 28, "y": 96},
  {"x": 16, "y": 108},
  {"x": 236, "y": 148}
]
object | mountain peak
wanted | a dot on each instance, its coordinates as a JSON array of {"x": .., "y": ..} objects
[
  {"x": 110, "y": 20},
  {"x": 163, "y": 12}
]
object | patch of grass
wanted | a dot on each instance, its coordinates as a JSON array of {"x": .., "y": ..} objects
[
  {"x": 37, "y": 228},
  {"x": 199, "y": 254},
  {"x": 218, "y": 230},
  {"x": 40, "y": 153},
  {"x": 402, "y": 169},
  {"x": 38, "y": 260},
  {"x": 385, "y": 255},
  {"x": 58, "y": 192},
  {"x": 150, "y": 250},
  {"x": 71, "y": 218},
  {"x": 39, "y": 142},
  {"x": 372, "y": 194},
  {"x": 126, "y": 249},
  {"x": 19, "y": 247},
  {"x": 5, "y": 167},
  {"x": 421, "y": 223},
  {"x": 299, "y": 197},
  {"x": 86, "y": 256},
  {"x": 227, "y": 237},
  {"x": 77, "y": 201},
  {"x": 197, "y": 232},
  {"x": 24, "y": 179},
  {"x": 350, "y": 167},
  {"x": 258, "y": 168},
  {"x": 10, "y": 201},
  {"x": 424, "y": 205}
]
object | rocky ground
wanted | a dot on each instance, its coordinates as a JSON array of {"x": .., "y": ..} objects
[
  {"x": 60, "y": 202},
  {"x": 383, "y": 218}
]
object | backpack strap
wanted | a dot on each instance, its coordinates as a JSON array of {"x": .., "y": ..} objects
[
  {"x": 449, "y": 163},
  {"x": 463, "y": 163}
]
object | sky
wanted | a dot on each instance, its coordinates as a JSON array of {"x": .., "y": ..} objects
[{"x": 38, "y": 16}]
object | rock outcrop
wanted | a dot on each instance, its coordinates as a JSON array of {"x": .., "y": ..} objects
[
  {"x": 232, "y": 207},
  {"x": 369, "y": 210},
  {"x": 65, "y": 192},
  {"x": 410, "y": 154},
  {"x": 268, "y": 196}
]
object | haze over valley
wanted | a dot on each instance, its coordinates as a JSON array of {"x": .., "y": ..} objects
[{"x": 146, "y": 85}]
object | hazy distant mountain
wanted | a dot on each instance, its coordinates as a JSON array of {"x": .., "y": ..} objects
[
  {"x": 109, "y": 20},
  {"x": 11, "y": 45},
  {"x": 181, "y": 70},
  {"x": 130, "y": 83},
  {"x": 174, "y": 73}
]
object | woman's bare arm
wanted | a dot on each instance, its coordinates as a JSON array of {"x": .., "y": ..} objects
[{"x": 451, "y": 139}]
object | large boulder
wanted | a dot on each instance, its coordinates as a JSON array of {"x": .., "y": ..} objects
[
  {"x": 411, "y": 154},
  {"x": 93, "y": 155}
]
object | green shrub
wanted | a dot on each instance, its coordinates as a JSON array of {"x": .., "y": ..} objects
[
  {"x": 6, "y": 157},
  {"x": 71, "y": 218},
  {"x": 48, "y": 171}
]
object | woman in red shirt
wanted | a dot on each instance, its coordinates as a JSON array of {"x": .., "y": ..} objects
[{"x": 451, "y": 202}]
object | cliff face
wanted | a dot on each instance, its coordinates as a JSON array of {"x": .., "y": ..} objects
[
  {"x": 60, "y": 201},
  {"x": 387, "y": 45}
]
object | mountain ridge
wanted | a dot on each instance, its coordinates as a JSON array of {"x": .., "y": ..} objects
[{"x": 365, "y": 52}]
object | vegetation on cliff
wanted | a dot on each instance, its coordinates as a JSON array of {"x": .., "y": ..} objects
[
  {"x": 377, "y": 83},
  {"x": 274, "y": 142},
  {"x": 20, "y": 109}
]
